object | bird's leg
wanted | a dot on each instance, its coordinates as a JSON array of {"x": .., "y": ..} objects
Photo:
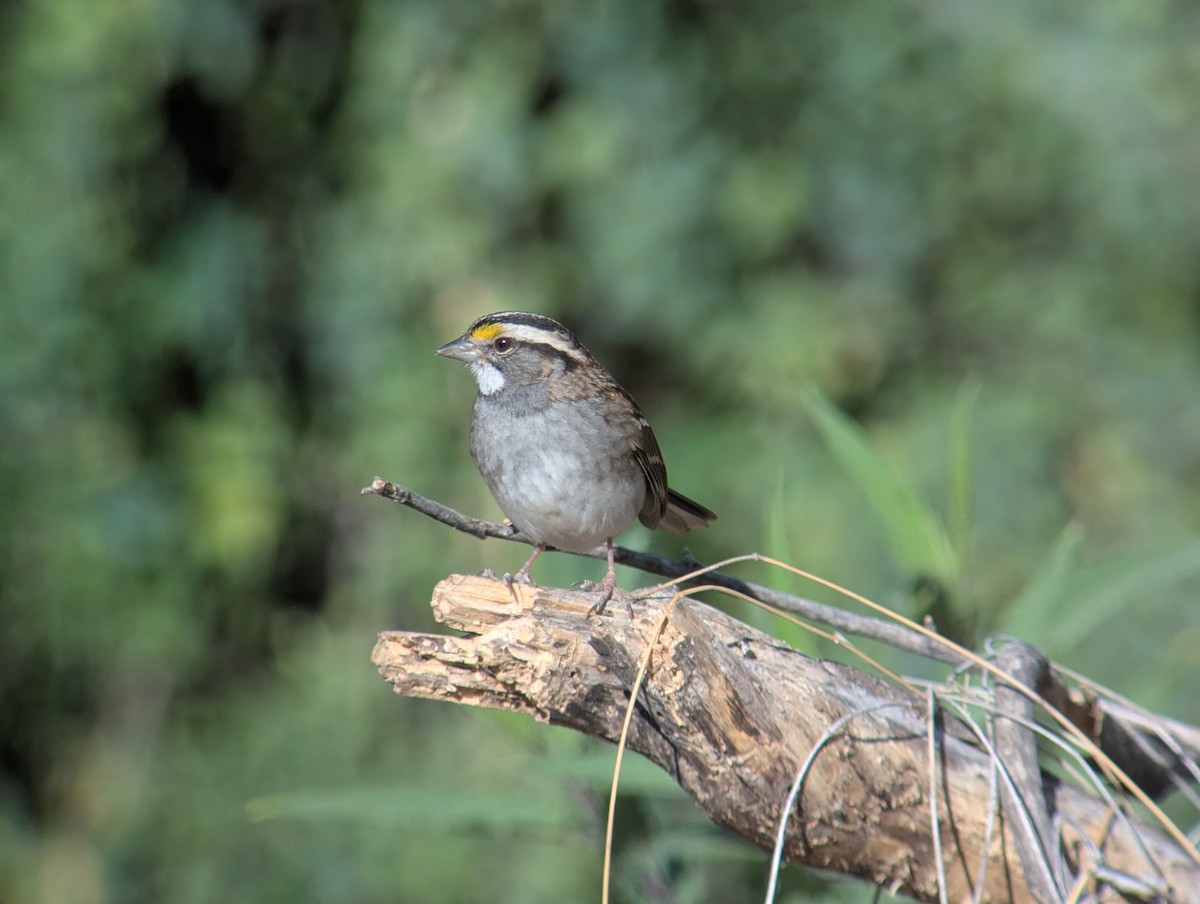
[
  {"x": 522, "y": 576},
  {"x": 608, "y": 586}
]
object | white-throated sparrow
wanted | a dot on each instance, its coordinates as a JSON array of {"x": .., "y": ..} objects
[{"x": 564, "y": 450}]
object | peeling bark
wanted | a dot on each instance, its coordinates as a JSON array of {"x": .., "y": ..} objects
[{"x": 731, "y": 714}]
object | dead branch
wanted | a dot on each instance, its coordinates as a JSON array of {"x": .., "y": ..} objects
[
  {"x": 1016, "y": 746},
  {"x": 1159, "y": 754},
  {"x": 837, "y": 619},
  {"x": 731, "y": 714}
]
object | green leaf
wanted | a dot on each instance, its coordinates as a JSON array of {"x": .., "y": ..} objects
[
  {"x": 779, "y": 544},
  {"x": 700, "y": 842},
  {"x": 445, "y": 809},
  {"x": 639, "y": 776},
  {"x": 1029, "y": 614},
  {"x": 1117, "y": 586},
  {"x": 960, "y": 511},
  {"x": 916, "y": 539}
]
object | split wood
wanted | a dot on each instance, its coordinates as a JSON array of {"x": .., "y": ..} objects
[{"x": 732, "y": 713}]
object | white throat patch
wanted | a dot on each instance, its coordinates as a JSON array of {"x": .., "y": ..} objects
[{"x": 490, "y": 380}]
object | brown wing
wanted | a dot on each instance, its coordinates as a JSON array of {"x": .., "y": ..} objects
[
  {"x": 649, "y": 458},
  {"x": 662, "y": 508}
]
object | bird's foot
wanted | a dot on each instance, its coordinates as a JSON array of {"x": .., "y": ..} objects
[
  {"x": 521, "y": 577},
  {"x": 608, "y": 590}
]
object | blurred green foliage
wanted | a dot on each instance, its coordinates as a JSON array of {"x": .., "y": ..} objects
[{"x": 233, "y": 232}]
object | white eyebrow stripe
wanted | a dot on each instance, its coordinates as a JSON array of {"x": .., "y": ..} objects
[{"x": 522, "y": 333}]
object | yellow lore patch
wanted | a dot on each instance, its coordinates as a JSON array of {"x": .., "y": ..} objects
[{"x": 487, "y": 332}]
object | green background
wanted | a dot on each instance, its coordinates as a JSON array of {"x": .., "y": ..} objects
[{"x": 233, "y": 233}]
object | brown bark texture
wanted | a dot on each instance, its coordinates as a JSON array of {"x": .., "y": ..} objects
[{"x": 732, "y": 714}]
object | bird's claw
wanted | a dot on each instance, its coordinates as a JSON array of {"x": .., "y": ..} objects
[
  {"x": 510, "y": 580},
  {"x": 607, "y": 587}
]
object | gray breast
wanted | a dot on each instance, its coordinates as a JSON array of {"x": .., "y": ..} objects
[{"x": 556, "y": 469}]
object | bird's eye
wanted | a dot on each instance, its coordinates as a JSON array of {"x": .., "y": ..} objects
[{"x": 503, "y": 344}]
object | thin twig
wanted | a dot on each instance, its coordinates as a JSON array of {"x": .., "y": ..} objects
[
  {"x": 1180, "y": 741},
  {"x": 1086, "y": 777},
  {"x": 840, "y": 619},
  {"x": 935, "y": 824},
  {"x": 781, "y": 835}
]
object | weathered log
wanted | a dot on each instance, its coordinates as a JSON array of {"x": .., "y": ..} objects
[
  {"x": 732, "y": 713},
  {"x": 1159, "y": 754}
]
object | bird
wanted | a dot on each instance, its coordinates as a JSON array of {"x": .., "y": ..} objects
[{"x": 564, "y": 450}]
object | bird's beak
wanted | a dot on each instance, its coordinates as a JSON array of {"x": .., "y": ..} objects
[{"x": 461, "y": 349}]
